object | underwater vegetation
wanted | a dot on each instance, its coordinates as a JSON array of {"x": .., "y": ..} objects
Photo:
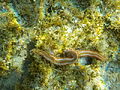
[{"x": 34, "y": 35}]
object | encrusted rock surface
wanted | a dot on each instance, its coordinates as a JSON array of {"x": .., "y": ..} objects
[{"x": 54, "y": 26}]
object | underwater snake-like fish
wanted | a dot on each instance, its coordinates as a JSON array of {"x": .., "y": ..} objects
[{"x": 71, "y": 56}]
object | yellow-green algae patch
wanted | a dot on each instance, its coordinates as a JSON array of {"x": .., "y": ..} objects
[{"x": 61, "y": 25}]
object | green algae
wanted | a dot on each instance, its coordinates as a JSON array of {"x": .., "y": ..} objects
[{"x": 61, "y": 25}]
